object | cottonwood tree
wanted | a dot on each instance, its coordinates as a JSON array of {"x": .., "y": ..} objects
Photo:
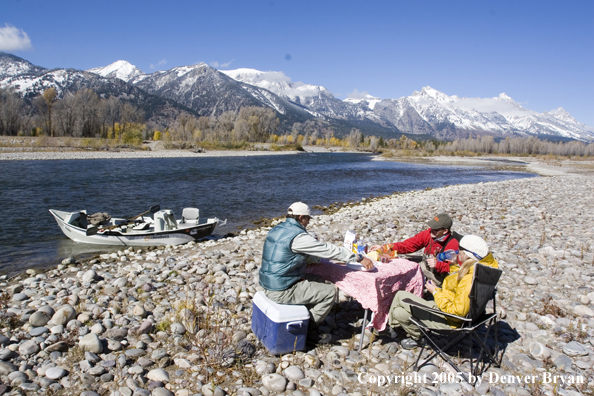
[
  {"x": 224, "y": 126},
  {"x": 49, "y": 96},
  {"x": 184, "y": 127},
  {"x": 12, "y": 119},
  {"x": 262, "y": 122},
  {"x": 87, "y": 103},
  {"x": 66, "y": 116}
]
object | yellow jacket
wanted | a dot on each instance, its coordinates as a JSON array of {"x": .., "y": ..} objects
[{"x": 453, "y": 298}]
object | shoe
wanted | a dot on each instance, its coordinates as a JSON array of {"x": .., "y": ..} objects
[
  {"x": 393, "y": 333},
  {"x": 409, "y": 343},
  {"x": 319, "y": 339}
]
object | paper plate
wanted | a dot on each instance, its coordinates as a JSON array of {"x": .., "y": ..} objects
[{"x": 358, "y": 267}]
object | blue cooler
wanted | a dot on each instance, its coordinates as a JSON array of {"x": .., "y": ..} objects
[{"x": 281, "y": 328}]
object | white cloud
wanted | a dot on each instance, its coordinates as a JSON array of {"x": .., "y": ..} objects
[
  {"x": 216, "y": 64},
  {"x": 160, "y": 63},
  {"x": 490, "y": 105},
  {"x": 358, "y": 95},
  {"x": 13, "y": 39}
]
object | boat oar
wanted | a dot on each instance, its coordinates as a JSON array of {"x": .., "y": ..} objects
[{"x": 94, "y": 230}]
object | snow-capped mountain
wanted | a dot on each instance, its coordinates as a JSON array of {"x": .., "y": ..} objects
[
  {"x": 369, "y": 100},
  {"x": 11, "y": 66},
  {"x": 120, "y": 69},
  {"x": 432, "y": 112},
  {"x": 30, "y": 81},
  {"x": 278, "y": 83},
  {"x": 320, "y": 101},
  {"x": 210, "y": 92},
  {"x": 205, "y": 91}
]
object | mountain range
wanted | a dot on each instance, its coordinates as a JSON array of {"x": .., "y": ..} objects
[{"x": 201, "y": 90}]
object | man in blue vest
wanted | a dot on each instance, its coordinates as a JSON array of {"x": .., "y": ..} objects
[{"x": 288, "y": 249}]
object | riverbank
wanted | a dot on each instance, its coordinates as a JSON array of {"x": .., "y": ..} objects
[
  {"x": 543, "y": 167},
  {"x": 177, "y": 320}
]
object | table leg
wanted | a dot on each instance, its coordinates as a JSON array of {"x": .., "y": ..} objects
[{"x": 363, "y": 330}]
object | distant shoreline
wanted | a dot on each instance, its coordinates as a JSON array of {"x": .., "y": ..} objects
[{"x": 533, "y": 165}]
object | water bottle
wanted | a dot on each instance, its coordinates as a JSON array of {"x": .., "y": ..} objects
[
  {"x": 361, "y": 248},
  {"x": 448, "y": 255}
]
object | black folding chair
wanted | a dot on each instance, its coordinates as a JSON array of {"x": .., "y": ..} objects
[{"x": 483, "y": 290}]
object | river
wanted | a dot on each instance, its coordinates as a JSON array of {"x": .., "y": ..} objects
[{"x": 239, "y": 189}]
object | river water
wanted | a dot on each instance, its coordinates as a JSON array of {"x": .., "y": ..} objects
[{"x": 240, "y": 189}]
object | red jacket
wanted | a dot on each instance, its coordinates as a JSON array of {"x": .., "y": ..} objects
[{"x": 423, "y": 240}]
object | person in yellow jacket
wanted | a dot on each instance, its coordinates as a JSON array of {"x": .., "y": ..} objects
[{"x": 451, "y": 297}]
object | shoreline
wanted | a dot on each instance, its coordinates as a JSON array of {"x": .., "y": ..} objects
[
  {"x": 553, "y": 167},
  {"x": 126, "y": 307}
]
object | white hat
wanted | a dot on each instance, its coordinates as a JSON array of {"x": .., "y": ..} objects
[
  {"x": 299, "y": 209},
  {"x": 475, "y": 245}
]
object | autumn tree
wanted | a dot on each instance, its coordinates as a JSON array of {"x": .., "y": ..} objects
[
  {"x": 12, "y": 119},
  {"x": 49, "y": 96}
]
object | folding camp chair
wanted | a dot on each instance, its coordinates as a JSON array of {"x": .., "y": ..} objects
[{"x": 483, "y": 289}]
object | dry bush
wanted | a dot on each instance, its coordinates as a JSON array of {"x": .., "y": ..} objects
[{"x": 550, "y": 308}]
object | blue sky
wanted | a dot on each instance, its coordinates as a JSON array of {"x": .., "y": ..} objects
[{"x": 541, "y": 53}]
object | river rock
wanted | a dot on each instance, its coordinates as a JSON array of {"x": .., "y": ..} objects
[
  {"x": 65, "y": 314},
  {"x": 91, "y": 343},
  {"x": 582, "y": 310},
  {"x": 39, "y": 319},
  {"x": 178, "y": 328},
  {"x": 55, "y": 373},
  {"x": 90, "y": 276},
  {"x": 274, "y": 382},
  {"x": 158, "y": 375},
  {"x": 29, "y": 347},
  {"x": 264, "y": 367},
  {"x": 7, "y": 368},
  {"x": 575, "y": 349}
]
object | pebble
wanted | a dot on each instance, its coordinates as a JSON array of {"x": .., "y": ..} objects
[
  {"x": 91, "y": 343},
  {"x": 141, "y": 316},
  {"x": 158, "y": 375},
  {"x": 55, "y": 373},
  {"x": 274, "y": 382}
]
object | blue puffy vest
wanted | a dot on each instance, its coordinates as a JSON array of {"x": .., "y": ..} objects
[{"x": 281, "y": 267}]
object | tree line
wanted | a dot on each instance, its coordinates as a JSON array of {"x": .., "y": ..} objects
[
  {"x": 85, "y": 114},
  {"x": 519, "y": 145},
  {"x": 82, "y": 114}
]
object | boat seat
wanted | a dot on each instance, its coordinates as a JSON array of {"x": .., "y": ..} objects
[
  {"x": 81, "y": 221},
  {"x": 192, "y": 214},
  {"x": 141, "y": 226}
]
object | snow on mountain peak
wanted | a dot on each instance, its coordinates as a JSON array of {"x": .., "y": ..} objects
[
  {"x": 253, "y": 76},
  {"x": 357, "y": 97},
  {"x": 277, "y": 82},
  {"x": 560, "y": 114},
  {"x": 503, "y": 97},
  {"x": 119, "y": 69},
  {"x": 430, "y": 93}
]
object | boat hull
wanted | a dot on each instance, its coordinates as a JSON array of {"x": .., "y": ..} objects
[{"x": 136, "y": 238}]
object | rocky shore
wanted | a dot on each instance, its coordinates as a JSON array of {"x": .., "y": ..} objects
[{"x": 176, "y": 320}]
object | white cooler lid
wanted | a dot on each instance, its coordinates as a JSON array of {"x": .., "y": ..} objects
[{"x": 280, "y": 313}]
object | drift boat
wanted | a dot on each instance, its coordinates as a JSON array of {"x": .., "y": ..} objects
[{"x": 141, "y": 230}]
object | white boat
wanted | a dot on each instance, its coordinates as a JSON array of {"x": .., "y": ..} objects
[{"x": 163, "y": 229}]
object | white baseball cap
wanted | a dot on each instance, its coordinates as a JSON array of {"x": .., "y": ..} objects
[
  {"x": 475, "y": 245},
  {"x": 299, "y": 209}
]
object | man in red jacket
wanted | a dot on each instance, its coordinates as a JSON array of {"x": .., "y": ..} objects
[{"x": 436, "y": 239}]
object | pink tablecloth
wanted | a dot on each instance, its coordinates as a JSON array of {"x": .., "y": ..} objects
[{"x": 375, "y": 289}]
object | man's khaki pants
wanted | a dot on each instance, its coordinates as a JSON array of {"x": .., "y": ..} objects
[
  {"x": 401, "y": 312},
  {"x": 312, "y": 292}
]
